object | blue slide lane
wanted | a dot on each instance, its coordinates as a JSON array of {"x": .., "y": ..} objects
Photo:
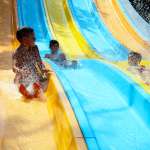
[
  {"x": 93, "y": 29},
  {"x": 32, "y": 14},
  {"x": 111, "y": 117}
]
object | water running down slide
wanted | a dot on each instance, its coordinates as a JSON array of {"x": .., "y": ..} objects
[
  {"x": 65, "y": 31},
  {"x": 30, "y": 125},
  {"x": 85, "y": 12},
  {"x": 32, "y": 14},
  {"x": 88, "y": 104},
  {"x": 86, "y": 88},
  {"x": 63, "y": 127},
  {"x": 137, "y": 22},
  {"x": 95, "y": 32},
  {"x": 120, "y": 27},
  {"x": 108, "y": 122},
  {"x": 21, "y": 123}
]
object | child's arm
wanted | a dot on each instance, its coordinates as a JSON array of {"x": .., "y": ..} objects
[
  {"x": 50, "y": 56},
  {"x": 38, "y": 59},
  {"x": 62, "y": 56},
  {"x": 14, "y": 67}
]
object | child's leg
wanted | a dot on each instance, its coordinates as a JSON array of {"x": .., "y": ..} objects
[
  {"x": 37, "y": 89},
  {"x": 27, "y": 94},
  {"x": 24, "y": 92}
]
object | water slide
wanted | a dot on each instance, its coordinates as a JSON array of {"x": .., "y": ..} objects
[
  {"x": 86, "y": 87},
  {"x": 138, "y": 23},
  {"x": 120, "y": 27},
  {"x": 64, "y": 29},
  {"x": 32, "y": 124},
  {"x": 118, "y": 120},
  {"x": 100, "y": 39}
]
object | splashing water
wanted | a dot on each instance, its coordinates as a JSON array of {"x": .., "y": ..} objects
[{"x": 29, "y": 76}]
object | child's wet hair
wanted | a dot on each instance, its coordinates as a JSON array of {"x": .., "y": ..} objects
[
  {"x": 136, "y": 55},
  {"x": 23, "y": 32},
  {"x": 53, "y": 42}
]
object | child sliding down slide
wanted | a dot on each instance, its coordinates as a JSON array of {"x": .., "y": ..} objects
[
  {"x": 134, "y": 60},
  {"x": 27, "y": 65},
  {"x": 58, "y": 57}
]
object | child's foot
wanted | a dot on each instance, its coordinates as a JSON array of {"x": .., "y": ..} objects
[
  {"x": 24, "y": 92},
  {"x": 37, "y": 89}
]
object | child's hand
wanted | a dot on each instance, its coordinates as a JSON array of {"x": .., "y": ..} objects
[
  {"x": 47, "y": 71},
  {"x": 63, "y": 57},
  {"x": 47, "y": 55},
  {"x": 142, "y": 68},
  {"x": 17, "y": 70},
  {"x": 52, "y": 56}
]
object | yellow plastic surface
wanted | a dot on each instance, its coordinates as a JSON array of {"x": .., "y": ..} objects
[
  {"x": 123, "y": 66},
  {"x": 37, "y": 124},
  {"x": 121, "y": 28},
  {"x": 65, "y": 30},
  {"x": 31, "y": 125},
  {"x": 25, "y": 125},
  {"x": 67, "y": 133}
]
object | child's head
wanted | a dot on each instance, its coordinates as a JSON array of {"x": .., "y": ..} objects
[
  {"x": 26, "y": 36},
  {"x": 54, "y": 46},
  {"x": 134, "y": 58}
]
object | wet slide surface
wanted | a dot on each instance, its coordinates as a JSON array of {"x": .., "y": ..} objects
[
  {"x": 37, "y": 124},
  {"x": 65, "y": 31},
  {"x": 95, "y": 32},
  {"x": 32, "y": 14},
  {"x": 23, "y": 125},
  {"x": 108, "y": 121},
  {"x": 103, "y": 118},
  {"x": 85, "y": 88},
  {"x": 138, "y": 23},
  {"x": 115, "y": 21}
]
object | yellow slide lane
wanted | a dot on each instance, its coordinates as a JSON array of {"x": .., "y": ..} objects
[
  {"x": 36, "y": 125},
  {"x": 123, "y": 66},
  {"x": 127, "y": 24},
  {"x": 120, "y": 28},
  {"x": 65, "y": 30},
  {"x": 67, "y": 132},
  {"x": 22, "y": 125}
]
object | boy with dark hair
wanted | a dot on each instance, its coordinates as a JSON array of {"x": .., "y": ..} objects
[
  {"x": 58, "y": 57},
  {"x": 27, "y": 64}
]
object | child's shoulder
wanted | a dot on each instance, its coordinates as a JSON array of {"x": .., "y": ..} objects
[
  {"x": 21, "y": 49},
  {"x": 35, "y": 48}
]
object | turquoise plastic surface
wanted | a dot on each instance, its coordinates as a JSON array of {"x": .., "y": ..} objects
[
  {"x": 94, "y": 30},
  {"x": 112, "y": 111}
]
